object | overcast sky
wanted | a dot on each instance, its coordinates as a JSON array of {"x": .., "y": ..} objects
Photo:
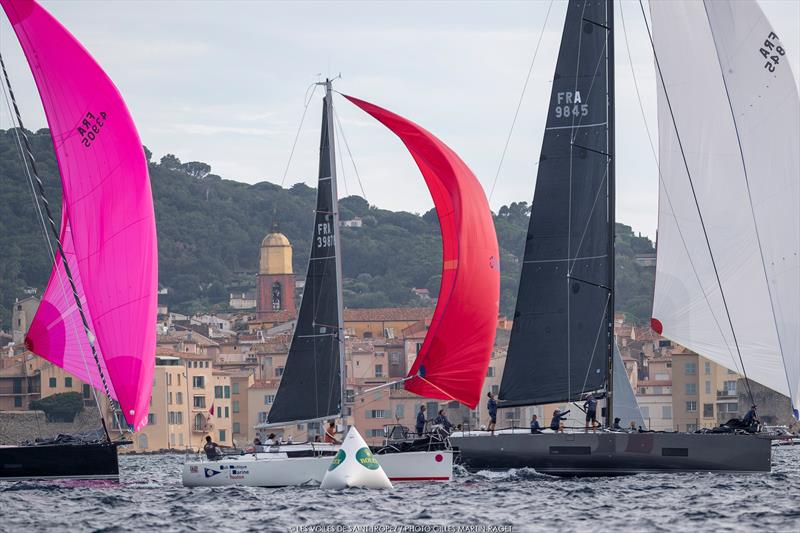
[{"x": 224, "y": 83}]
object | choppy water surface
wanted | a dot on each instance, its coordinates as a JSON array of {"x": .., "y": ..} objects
[{"x": 151, "y": 497}]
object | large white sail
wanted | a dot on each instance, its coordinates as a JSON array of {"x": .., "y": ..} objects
[{"x": 728, "y": 270}]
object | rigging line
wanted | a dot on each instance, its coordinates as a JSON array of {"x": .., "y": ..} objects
[
  {"x": 666, "y": 192},
  {"x": 519, "y": 103},
  {"x": 31, "y": 171},
  {"x": 696, "y": 202},
  {"x": 337, "y": 131},
  {"x": 569, "y": 214},
  {"x": 308, "y": 98},
  {"x": 349, "y": 153},
  {"x": 603, "y": 55},
  {"x": 749, "y": 196},
  {"x": 596, "y": 340}
]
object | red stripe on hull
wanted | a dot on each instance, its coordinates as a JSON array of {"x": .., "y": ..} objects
[{"x": 426, "y": 478}]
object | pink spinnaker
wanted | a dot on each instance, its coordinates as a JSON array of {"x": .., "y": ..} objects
[{"x": 108, "y": 230}]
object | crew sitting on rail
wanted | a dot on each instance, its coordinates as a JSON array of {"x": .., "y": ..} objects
[
  {"x": 556, "y": 423},
  {"x": 535, "y": 427}
]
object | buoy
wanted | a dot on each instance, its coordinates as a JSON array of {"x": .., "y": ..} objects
[{"x": 355, "y": 466}]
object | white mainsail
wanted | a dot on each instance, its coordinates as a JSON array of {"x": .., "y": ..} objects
[{"x": 728, "y": 270}]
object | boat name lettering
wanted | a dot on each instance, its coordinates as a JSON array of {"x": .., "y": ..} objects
[
  {"x": 90, "y": 126},
  {"x": 324, "y": 235},
  {"x": 570, "y": 104},
  {"x": 772, "y": 51}
]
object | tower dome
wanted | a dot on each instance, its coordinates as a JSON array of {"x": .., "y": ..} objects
[{"x": 276, "y": 254}]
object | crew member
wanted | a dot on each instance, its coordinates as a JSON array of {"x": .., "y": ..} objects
[
  {"x": 330, "y": 433},
  {"x": 590, "y": 406},
  {"x": 535, "y": 427},
  {"x": 491, "y": 406},
  {"x": 556, "y": 423},
  {"x": 421, "y": 420},
  {"x": 442, "y": 420}
]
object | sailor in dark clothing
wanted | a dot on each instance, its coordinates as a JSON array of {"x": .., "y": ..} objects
[
  {"x": 751, "y": 417},
  {"x": 491, "y": 406},
  {"x": 616, "y": 424},
  {"x": 590, "y": 406},
  {"x": 420, "y": 420},
  {"x": 212, "y": 449},
  {"x": 558, "y": 417},
  {"x": 442, "y": 420},
  {"x": 535, "y": 427}
]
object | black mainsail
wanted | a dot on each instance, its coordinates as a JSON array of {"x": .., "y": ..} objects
[
  {"x": 311, "y": 386},
  {"x": 562, "y": 338}
]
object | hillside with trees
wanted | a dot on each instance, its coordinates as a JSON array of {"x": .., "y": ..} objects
[{"x": 210, "y": 228}]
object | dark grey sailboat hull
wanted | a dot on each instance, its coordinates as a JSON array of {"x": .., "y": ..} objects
[
  {"x": 59, "y": 461},
  {"x": 602, "y": 454}
]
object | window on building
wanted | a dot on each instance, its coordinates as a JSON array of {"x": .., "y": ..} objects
[
  {"x": 227, "y": 412},
  {"x": 663, "y": 343},
  {"x": 151, "y": 418},
  {"x": 377, "y": 413},
  {"x": 226, "y": 391},
  {"x": 348, "y": 411},
  {"x": 490, "y": 372},
  {"x": 172, "y": 439},
  {"x": 375, "y": 433},
  {"x": 645, "y": 411},
  {"x": 708, "y": 410},
  {"x": 87, "y": 391},
  {"x": 279, "y": 372},
  {"x": 730, "y": 387},
  {"x": 707, "y": 368},
  {"x": 349, "y": 395},
  {"x": 690, "y": 369},
  {"x": 200, "y": 402},
  {"x": 277, "y": 296},
  {"x": 691, "y": 388},
  {"x": 222, "y": 435},
  {"x": 219, "y": 412},
  {"x": 658, "y": 390},
  {"x": 367, "y": 334},
  {"x": 662, "y": 376},
  {"x": 235, "y": 406},
  {"x": 179, "y": 378},
  {"x": 199, "y": 382},
  {"x": 400, "y": 411},
  {"x": 666, "y": 412},
  {"x": 68, "y": 382},
  {"x": 218, "y": 391},
  {"x": 180, "y": 439},
  {"x": 179, "y": 398},
  {"x": 691, "y": 407},
  {"x": 199, "y": 422},
  {"x": 169, "y": 378},
  {"x": 52, "y": 383},
  {"x": 269, "y": 398},
  {"x": 708, "y": 387},
  {"x": 17, "y": 401},
  {"x": 495, "y": 390},
  {"x": 235, "y": 387},
  {"x": 236, "y": 429},
  {"x": 300, "y": 427},
  {"x": 262, "y": 417},
  {"x": 378, "y": 371},
  {"x": 394, "y": 358},
  {"x": 142, "y": 441}
]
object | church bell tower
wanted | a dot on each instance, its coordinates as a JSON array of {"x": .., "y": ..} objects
[{"x": 275, "y": 276}]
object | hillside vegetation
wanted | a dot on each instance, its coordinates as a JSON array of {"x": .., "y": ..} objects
[{"x": 210, "y": 228}]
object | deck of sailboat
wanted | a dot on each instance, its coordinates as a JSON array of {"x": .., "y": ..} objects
[{"x": 603, "y": 453}]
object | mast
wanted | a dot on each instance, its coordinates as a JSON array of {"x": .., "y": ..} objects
[
  {"x": 312, "y": 384},
  {"x": 611, "y": 212},
  {"x": 337, "y": 243}
]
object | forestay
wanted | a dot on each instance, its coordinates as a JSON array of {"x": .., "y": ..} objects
[{"x": 734, "y": 102}]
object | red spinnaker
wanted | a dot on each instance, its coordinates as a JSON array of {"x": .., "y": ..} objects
[{"x": 452, "y": 363}]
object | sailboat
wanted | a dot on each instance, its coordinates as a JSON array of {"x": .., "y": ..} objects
[
  {"x": 97, "y": 315},
  {"x": 727, "y": 267},
  {"x": 453, "y": 359}
]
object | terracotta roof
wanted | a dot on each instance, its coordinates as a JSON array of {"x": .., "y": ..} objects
[{"x": 398, "y": 314}]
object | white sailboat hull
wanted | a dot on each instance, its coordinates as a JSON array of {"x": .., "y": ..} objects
[{"x": 278, "y": 470}]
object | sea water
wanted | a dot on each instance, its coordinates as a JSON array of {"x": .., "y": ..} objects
[{"x": 150, "y": 497}]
